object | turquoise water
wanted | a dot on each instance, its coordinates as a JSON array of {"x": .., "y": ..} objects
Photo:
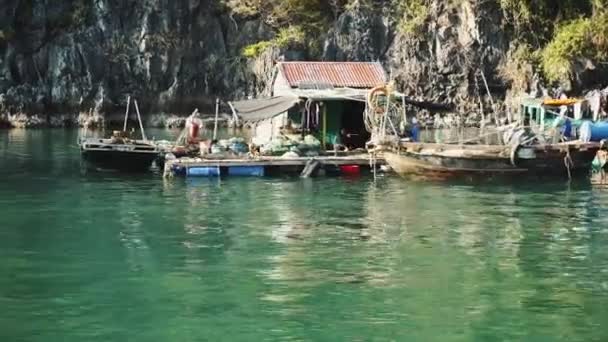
[{"x": 100, "y": 256}]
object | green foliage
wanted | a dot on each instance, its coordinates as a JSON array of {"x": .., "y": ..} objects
[
  {"x": 295, "y": 21},
  {"x": 292, "y": 35},
  {"x": 560, "y": 33},
  {"x": 599, "y": 34},
  {"x": 244, "y": 8},
  {"x": 310, "y": 14},
  {"x": 568, "y": 44},
  {"x": 255, "y": 50},
  {"x": 536, "y": 19},
  {"x": 581, "y": 38},
  {"x": 287, "y": 37},
  {"x": 413, "y": 15},
  {"x": 519, "y": 10}
]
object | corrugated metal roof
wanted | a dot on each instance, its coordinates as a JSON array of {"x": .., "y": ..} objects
[{"x": 336, "y": 74}]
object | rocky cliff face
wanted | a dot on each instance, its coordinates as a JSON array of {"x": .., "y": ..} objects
[
  {"x": 87, "y": 55},
  {"x": 71, "y": 56}
]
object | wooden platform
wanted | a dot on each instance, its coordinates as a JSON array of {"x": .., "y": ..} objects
[{"x": 278, "y": 165}]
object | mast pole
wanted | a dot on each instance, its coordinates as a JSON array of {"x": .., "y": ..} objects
[
  {"x": 124, "y": 127},
  {"x": 217, "y": 113},
  {"x": 141, "y": 125}
]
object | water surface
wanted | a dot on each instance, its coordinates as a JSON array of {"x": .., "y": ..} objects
[{"x": 102, "y": 256}]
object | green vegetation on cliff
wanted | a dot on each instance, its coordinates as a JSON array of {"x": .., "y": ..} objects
[
  {"x": 549, "y": 37},
  {"x": 555, "y": 36},
  {"x": 576, "y": 41}
]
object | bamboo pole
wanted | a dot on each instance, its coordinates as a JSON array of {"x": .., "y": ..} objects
[
  {"x": 403, "y": 107},
  {"x": 124, "y": 127},
  {"x": 324, "y": 141},
  {"x": 485, "y": 83},
  {"x": 217, "y": 113},
  {"x": 141, "y": 125},
  {"x": 234, "y": 114}
]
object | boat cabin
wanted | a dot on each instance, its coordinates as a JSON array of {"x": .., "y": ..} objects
[
  {"x": 324, "y": 99},
  {"x": 543, "y": 112}
]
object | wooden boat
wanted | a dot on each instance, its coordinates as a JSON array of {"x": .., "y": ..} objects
[
  {"x": 121, "y": 151},
  {"x": 446, "y": 161}
]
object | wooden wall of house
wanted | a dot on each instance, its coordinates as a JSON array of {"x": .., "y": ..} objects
[{"x": 280, "y": 86}]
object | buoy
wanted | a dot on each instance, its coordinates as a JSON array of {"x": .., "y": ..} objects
[{"x": 350, "y": 169}]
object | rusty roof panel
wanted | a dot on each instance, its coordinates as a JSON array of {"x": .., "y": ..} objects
[{"x": 338, "y": 74}]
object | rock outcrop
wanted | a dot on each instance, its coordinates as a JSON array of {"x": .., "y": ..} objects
[
  {"x": 85, "y": 56},
  {"x": 71, "y": 56}
]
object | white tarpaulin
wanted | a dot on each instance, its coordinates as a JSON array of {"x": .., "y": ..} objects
[{"x": 264, "y": 108}]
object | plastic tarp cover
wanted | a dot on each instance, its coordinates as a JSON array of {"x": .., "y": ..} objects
[{"x": 264, "y": 108}]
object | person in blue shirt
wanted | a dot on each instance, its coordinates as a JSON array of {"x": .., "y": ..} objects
[{"x": 415, "y": 131}]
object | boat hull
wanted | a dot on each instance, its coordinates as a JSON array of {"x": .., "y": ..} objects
[
  {"x": 120, "y": 160},
  {"x": 441, "y": 162}
]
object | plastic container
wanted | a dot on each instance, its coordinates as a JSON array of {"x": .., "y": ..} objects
[
  {"x": 599, "y": 131},
  {"x": 246, "y": 171},
  {"x": 593, "y": 131},
  {"x": 350, "y": 169},
  {"x": 203, "y": 172}
]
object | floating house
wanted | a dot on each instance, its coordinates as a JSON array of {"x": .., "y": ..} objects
[
  {"x": 316, "y": 105},
  {"x": 325, "y": 99}
]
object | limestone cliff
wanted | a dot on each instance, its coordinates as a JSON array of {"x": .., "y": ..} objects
[{"x": 81, "y": 55}]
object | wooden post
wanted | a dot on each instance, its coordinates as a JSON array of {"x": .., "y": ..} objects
[
  {"x": 141, "y": 125},
  {"x": 124, "y": 127},
  {"x": 324, "y": 130},
  {"x": 217, "y": 113},
  {"x": 403, "y": 107}
]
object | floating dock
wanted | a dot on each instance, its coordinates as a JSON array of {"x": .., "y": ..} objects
[{"x": 272, "y": 166}]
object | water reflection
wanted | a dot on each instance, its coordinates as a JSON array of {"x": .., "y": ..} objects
[{"x": 113, "y": 257}]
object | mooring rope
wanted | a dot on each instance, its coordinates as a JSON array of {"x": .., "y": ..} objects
[{"x": 569, "y": 164}]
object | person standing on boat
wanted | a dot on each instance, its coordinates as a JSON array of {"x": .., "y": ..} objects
[
  {"x": 415, "y": 131},
  {"x": 562, "y": 125}
]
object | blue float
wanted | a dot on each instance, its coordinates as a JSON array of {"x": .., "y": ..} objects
[
  {"x": 203, "y": 172},
  {"x": 596, "y": 131},
  {"x": 599, "y": 131},
  {"x": 246, "y": 171}
]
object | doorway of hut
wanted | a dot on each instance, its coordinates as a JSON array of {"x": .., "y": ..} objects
[{"x": 345, "y": 125}]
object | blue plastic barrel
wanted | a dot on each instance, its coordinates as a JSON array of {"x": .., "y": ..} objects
[
  {"x": 246, "y": 171},
  {"x": 593, "y": 131},
  {"x": 203, "y": 172},
  {"x": 599, "y": 131}
]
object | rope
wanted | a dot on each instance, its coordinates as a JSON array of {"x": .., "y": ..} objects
[
  {"x": 381, "y": 115},
  {"x": 373, "y": 162},
  {"x": 569, "y": 164},
  {"x": 514, "y": 154}
]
